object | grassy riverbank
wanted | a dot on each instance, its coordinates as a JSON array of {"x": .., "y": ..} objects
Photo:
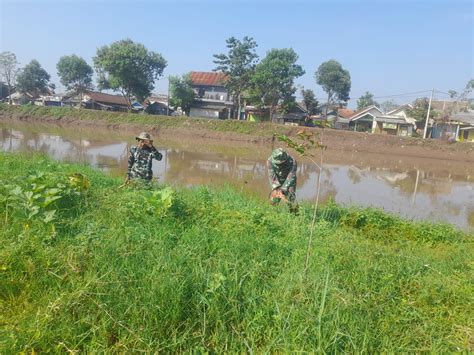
[
  {"x": 264, "y": 129},
  {"x": 130, "y": 269}
]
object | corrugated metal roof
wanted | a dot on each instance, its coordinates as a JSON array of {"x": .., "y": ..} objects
[
  {"x": 107, "y": 98},
  {"x": 464, "y": 117},
  {"x": 393, "y": 119},
  {"x": 208, "y": 78}
]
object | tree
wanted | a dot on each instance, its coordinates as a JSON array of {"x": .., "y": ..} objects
[
  {"x": 3, "y": 90},
  {"x": 420, "y": 110},
  {"x": 182, "y": 93},
  {"x": 467, "y": 90},
  {"x": 388, "y": 105},
  {"x": 459, "y": 98},
  {"x": 273, "y": 80},
  {"x": 33, "y": 79},
  {"x": 238, "y": 65},
  {"x": 8, "y": 71},
  {"x": 310, "y": 101},
  {"x": 366, "y": 100},
  {"x": 74, "y": 73},
  {"x": 128, "y": 67},
  {"x": 452, "y": 94},
  {"x": 335, "y": 80}
]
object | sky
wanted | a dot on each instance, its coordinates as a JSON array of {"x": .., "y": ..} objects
[{"x": 402, "y": 48}]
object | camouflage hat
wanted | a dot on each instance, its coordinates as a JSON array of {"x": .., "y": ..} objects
[
  {"x": 279, "y": 156},
  {"x": 144, "y": 136}
]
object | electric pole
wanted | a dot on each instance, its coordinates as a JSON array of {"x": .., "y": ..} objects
[
  {"x": 428, "y": 115},
  {"x": 168, "y": 99}
]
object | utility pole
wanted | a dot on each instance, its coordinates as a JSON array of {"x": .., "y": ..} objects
[
  {"x": 428, "y": 115},
  {"x": 168, "y": 99}
]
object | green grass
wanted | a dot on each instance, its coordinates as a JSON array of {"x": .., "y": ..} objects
[
  {"x": 132, "y": 269},
  {"x": 265, "y": 129}
]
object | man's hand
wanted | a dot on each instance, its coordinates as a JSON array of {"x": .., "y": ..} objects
[{"x": 277, "y": 193}]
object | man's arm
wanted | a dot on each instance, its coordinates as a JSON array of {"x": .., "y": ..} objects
[
  {"x": 131, "y": 161},
  {"x": 291, "y": 178},
  {"x": 272, "y": 176},
  {"x": 155, "y": 153}
]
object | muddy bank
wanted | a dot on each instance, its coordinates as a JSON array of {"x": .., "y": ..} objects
[{"x": 342, "y": 146}]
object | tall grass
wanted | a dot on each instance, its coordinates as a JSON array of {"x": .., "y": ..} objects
[{"x": 214, "y": 270}]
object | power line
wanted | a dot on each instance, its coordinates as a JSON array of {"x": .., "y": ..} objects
[
  {"x": 406, "y": 94},
  {"x": 402, "y": 94},
  {"x": 379, "y": 97}
]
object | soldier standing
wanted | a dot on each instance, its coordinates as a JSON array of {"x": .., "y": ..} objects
[
  {"x": 141, "y": 157},
  {"x": 282, "y": 177}
]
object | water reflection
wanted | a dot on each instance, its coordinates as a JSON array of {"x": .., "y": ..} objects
[{"x": 412, "y": 193}]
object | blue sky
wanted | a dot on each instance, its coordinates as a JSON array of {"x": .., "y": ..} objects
[{"x": 389, "y": 47}]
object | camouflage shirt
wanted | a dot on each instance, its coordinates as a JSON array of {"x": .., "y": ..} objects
[
  {"x": 282, "y": 176},
  {"x": 140, "y": 160}
]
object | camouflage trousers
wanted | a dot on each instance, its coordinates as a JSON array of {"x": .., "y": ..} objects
[{"x": 290, "y": 199}]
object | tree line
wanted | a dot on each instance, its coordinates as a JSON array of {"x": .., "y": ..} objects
[
  {"x": 267, "y": 84},
  {"x": 131, "y": 69},
  {"x": 125, "y": 67}
]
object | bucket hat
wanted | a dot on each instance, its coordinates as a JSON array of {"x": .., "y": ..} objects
[
  {"x": 144, "y": 136},
  {"x": 279, "y": 156}
]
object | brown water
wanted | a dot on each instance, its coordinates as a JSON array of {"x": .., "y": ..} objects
[{"x": 434, "y": 195}]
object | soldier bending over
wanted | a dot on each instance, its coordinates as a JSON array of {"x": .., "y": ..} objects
[{"x": 282, "y": 178}]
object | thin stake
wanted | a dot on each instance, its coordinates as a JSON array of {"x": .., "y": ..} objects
[{"x": 316, "y": 204}]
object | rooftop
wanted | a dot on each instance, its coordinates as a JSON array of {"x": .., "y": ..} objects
[
  {"x": 345, "y": 112},
  {"x": 107, "y": 98},
  {"x": 207, "y": 78}
]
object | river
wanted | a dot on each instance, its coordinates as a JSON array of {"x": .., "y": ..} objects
[{"x": 421, "y": 194}]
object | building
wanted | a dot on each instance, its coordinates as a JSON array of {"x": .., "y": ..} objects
[
  {"x": 342, "y": 118},
  {"x": 55, "y": 100},
  {"x": 19, "y": 98},
  {"x": 158, "y": 108},
  {"x": 296, "y": 115},
  {"x": 372, "y": 119},
  {"x": 459, "y": 126},
  {"x": 212, "y": 99},
  {"x": 106, "y": 102}
]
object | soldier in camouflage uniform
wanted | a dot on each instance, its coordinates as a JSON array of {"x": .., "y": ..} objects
[
  {"x": 141, "y": 157},
  {"x": 282, "y": 177}
]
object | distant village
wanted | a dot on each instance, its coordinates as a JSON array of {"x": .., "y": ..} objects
[{"x": 456, "y": 119}]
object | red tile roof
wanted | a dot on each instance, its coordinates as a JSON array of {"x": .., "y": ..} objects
[
  {"x": 345, "y": 112},
  {"x": 207, "y": 78},
  {"x": 107, "y": 98}
]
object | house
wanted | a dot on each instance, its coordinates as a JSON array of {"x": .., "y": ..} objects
[
  {"x": 372, "y": 119},
  {"x": 342, "y": 118},
  {"x": 106, "y": 102},
  {"x": 212, "y": 99},
  {"x": 364, "y": 120},
  {"x": 459, "y": 125},
  {"x": 296, "y": 115},
  {"x": 51, "y": 100},
  {"x": 19, "y": 98},
  {"x": 158, "y": 108},
  {"x": 158, "y": 97}
]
